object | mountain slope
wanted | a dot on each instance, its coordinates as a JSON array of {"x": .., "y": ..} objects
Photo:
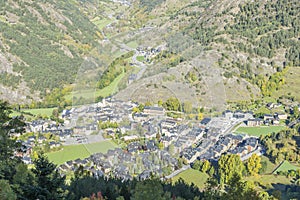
[
  {"x": 238, "y": 49},
  {"x": 43, "y": 43},
  {"x": 211, "y": 52}
]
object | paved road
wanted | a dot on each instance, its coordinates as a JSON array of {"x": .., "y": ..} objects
[
  {"x": 258, "y": 151},
  {"x": 185, "y": 167}
]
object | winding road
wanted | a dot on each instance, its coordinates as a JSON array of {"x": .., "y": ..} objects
[{"x": 123, "y": 46}]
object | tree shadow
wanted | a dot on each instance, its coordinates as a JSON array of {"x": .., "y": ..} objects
[{"x": 287, "y": 191}]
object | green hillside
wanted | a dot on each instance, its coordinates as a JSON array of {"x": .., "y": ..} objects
[
  {"x": 231, "y": 50},
  {"x": 47, "y": 41}
]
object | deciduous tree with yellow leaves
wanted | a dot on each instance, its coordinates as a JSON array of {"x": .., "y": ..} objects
[{"x": 253, "y": 164}]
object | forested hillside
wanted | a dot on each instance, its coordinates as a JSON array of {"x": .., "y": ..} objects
[
  {"x": 43, "y": 43},
  {"x": 229, "y": 50},
  {"x": 244, "y": 46}
]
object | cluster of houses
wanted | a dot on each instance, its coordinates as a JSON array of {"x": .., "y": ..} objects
[
  {"x": 85, "y": 119},
  {"x": 137, "y": 160},
  {"x": 149, "y": 52},
  {"x": 208, "y": 139},
  {"x": 241, "y": 145},
  {"x": 41, "y": 127},
  {"x": 267, "y": 120},
  {"x": 153, "y": 140}
]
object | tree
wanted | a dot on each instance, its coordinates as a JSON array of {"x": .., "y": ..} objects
[
  {"x": 148, "y": 190},
  {"x": 157, "y": 136},
  {"x": 229, "y": 165},
  {"x": 197, "y": 165},
  {"x": 180, "y": 162},
  {"x": 238, "y": 189},
  {"x": 200, "y": 116},
  {"x": 296, "y": 112},
  {"x": 141, "y": 107},
  {"x": 135, "y": 110},
  {"x": 21, "y": 179},
  {"x": 212, "y": 189},
  {"x": 211, "y": 171},
  {"x": 55, "y": 113},
  {"x": 6, "y": 192},
  {"x": 277, "y": 194},
  {"x": 160, "y": 102},
  {"x": 254, "y": 164},
  {"x": 205, "y": 167},
  {"x": 263, "y": 168},
  {"x": 7, "y": 124},
  {"x": 8, "y": 145},
  {"x": 172, "y": 104},
  {"x": 49, "y": 183},
  {"x": 160, "y": 145}
]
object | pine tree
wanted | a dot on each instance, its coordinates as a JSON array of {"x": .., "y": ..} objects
[{"x": 49, "y": 184}]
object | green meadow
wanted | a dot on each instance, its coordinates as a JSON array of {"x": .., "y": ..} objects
[
  {"x": 257, "y": 131},
  {"x": 72, "y": 152},
  {"x": 286, "y": 166},
  {"x": 92, "y": 94},
  {"x": 192, "y": 176}
]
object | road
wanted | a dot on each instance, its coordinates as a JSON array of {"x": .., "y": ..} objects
[
  {"x": 123, "y": 46},
  {"x": 257, "y": 151},
  {"x": 175, "y": 173}
]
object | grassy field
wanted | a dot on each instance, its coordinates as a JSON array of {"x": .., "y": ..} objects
[
  {"x": 270, "y": 166},
  {"x": 41, "y": 111},
  {"x": 192, "y": 176},
  {"x": 286, "y": 166},
  {"x": 262, "y": 110},
  {"x": 101, "y": 23},
  {"x": 257, "y": 131},
  {"x": 132, "y": 44},
  {"x": 92, "y": 94},
  {"x": 100, "y": 147},
  {"x": 81, "y": 151},
  {"x": 140, "y": 58},
  {"x": 269, "y": 180}
]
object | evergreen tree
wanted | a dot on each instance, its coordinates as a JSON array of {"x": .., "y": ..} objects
[
  {"x": 8, "y": 145},
  {"x": 49, "y": 184},
  {"x": 6, "y": 192},
  {"x": 148, "y": 190}
]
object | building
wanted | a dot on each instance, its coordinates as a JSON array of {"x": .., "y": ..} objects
[
  {"x": 132, "y": 78},
  {"x": 268, "y": 117},
  {"x": 156, "y": 111},
  {"x": 228, "y": 114},
  {"x": 239, "y": 114},
  {"x": 205, "y": 121},
  {"x": 281, "y": 116},
  {"x": 254, "y": 122}
]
